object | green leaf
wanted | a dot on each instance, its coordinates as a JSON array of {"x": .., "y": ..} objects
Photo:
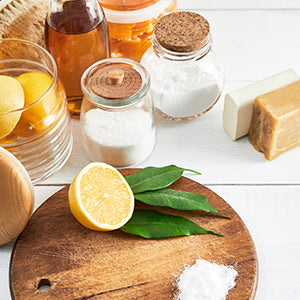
[
  {"x": 153, "y": 178},
  {"x": 152, "y": 224},
  {"x": 175, "y": 199}
]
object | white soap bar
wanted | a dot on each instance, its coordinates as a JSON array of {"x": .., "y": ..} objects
[{"x": 238, "y": 105}]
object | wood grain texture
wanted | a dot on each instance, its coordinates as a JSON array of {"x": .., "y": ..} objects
[
  {"x": 16, "y": 197},
  {"x": 84, "y": 264}
]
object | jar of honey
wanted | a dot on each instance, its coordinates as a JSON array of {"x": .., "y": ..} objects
[{"x": 131, "y": 24}]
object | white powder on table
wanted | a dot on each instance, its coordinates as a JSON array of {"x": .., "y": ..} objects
[
  {"x": 205, "y": 281},
  {"x": 121, "y": 138}
]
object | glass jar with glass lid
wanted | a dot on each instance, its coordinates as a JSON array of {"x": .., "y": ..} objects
[
  {"x": 186, "y": 78},
  {"x": 117, "y": 113},
  {"x": 131, "y": 24}
]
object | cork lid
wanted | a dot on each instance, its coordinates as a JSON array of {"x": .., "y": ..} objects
[
  {"x": 115, "y": 81},
  {"x": 182, "y": 31}
]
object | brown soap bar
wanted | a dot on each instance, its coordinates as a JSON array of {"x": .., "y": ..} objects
[{"x": 275, "y": 125}]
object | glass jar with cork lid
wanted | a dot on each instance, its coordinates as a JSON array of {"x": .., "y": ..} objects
[
  {"x": 131, "y": 24},
  {"x": 117, "y": 113},
  {"x": 186, "y": 78}
]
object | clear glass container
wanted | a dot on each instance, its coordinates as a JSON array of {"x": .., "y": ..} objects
[
  {"x": 119, "y": 131},
  {"x": 131, "y": 24},
  {"x": 184, "y": 85},
  {"x": 127, "y": 4},
  {"x": 76, "y": 35},
  {"x": 41, "y": 139}
]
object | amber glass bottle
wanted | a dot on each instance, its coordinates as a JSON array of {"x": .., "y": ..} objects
[{"x": 76, "y": 35}]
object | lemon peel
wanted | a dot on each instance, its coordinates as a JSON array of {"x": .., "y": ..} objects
[
  {"x": 11, "y": 99},
  {"x": 100, "y": 198}
]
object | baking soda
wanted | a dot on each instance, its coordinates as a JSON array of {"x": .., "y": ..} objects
[
  {"x": 181, "y": 89},
  {"x": 181, "y": 103},
  {"x": 120, "y": 138},
  {"x": 205, "y": 281}
]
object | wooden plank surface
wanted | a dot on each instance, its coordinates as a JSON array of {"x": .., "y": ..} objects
[
  {"x": 204, "y": 146},
  {"x": 268, "y": 199},
  {"x": 271, "y": 215},
  {"x": 249, "y": 51}
]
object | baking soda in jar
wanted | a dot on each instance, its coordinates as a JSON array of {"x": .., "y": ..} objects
[
  {"x": 186, "y": 78},
  {"x": 117, "y": 116}
]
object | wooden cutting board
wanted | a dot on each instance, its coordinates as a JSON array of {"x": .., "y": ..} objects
[{"x": 54, "y": 250}]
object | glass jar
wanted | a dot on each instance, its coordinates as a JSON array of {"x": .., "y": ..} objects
[
  {"x": 131, "y": 24},
  {"x": 186, "y": 78},
  {"x": 117, "y": 114},
  {"x": 41, "y": 135},
  {"x": 76, "y": 35}
]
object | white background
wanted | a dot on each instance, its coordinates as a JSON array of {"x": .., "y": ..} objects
[{"x": 253, "y": 39}]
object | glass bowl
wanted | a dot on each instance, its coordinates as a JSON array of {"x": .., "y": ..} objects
[{"x": 41, "y": 138}]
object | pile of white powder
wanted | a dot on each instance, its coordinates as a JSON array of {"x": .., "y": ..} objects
[
  {"x": 205, "y": 281},
  {"x": 119, "y": 138}
]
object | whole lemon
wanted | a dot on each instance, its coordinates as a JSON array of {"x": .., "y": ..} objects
[
  {"x": 40, "y": 113},
  {"x": 11, "y": 99}
]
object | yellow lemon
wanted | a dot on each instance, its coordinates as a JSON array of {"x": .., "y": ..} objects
[
  {"x": 100, "y": 197},
  {"x": 11, "y": 98},
  {"x": 40, "y": 114}
]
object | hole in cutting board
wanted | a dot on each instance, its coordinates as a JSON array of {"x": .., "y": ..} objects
[{"x": 44, "y": 284}]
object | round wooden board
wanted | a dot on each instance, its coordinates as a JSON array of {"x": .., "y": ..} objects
[{"x": 79, "y": 263}]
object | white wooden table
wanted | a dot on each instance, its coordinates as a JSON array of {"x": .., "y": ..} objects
[{"x": 253, "y": 39}]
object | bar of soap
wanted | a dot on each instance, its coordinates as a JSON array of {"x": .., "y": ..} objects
[
  {"x": 275, "y": 124},
  {"x": 238, "y": 105}
]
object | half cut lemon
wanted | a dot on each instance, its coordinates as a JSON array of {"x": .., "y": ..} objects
[{"x": 100, "y": 197}]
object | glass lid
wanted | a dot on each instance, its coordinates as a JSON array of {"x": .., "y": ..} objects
[{"x": 127, "y": 4}]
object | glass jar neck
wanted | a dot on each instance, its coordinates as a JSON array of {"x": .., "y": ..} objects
[
  {"x": 72, "y": 17},
  {"x": 137, "y": 15},
  {"x": 163, "y": 52}
]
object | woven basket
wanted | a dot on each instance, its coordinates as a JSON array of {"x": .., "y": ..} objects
[{"x": 24, "y": 19}]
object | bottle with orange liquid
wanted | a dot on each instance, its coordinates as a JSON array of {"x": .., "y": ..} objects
[{"x": 76, "y": 35}]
